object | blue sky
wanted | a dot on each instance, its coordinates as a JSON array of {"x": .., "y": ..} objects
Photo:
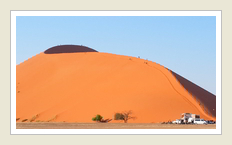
[{"x": 184, "y": 44}]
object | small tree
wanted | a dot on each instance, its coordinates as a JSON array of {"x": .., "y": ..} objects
[
  {"x": 125, "y": 116},
  {"x": 97, "y": 118}
]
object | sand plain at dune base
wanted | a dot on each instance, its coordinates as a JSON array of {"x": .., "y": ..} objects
[{"x": 110, "y": 126}]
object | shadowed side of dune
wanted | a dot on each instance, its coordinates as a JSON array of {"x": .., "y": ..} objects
[
  {"x": 68, "y": 49},
  {"x": 205, "y": 97}
]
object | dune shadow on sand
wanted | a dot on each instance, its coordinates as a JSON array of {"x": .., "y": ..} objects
[
  {"x": 205, "y": 97},
  {"x": 68, "y": 49}
]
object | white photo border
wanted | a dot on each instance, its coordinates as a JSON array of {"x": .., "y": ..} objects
[{"x": 216, "y": 13}]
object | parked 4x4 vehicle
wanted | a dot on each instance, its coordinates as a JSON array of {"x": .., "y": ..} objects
[
  {"x": 199, "y": 121},
  {"x": 177, "y": 121},
  {"x": 210, "y": 122}
]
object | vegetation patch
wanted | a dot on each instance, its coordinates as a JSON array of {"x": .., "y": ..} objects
[
  {"x": 125, "y": 116},
  {"x": 97, "y": 118},
  {"x": 34, "y": 117},
  {"x": 24, "y": 120},
  {"x": 52, "y": 119}
]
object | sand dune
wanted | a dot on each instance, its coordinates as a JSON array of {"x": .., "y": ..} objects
[
  {"x": 207, "y": 99},
  {"x": 73, "y": 87}
]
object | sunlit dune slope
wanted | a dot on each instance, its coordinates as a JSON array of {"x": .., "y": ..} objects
[{"x": 74, "y": 87}]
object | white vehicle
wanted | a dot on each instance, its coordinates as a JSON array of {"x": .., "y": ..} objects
[
  {"x": 191, "y": 120},
  {"x": 188, "y": 118},
  {"x": 177, "y": 121},
  {"x": 199, "y": 121}
]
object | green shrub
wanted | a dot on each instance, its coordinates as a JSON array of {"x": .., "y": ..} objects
[
  {"x": 97, "y": 118},
  {"x": 94, "y": 118}
]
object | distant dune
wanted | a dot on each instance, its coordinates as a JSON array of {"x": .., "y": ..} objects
[
  {"x": 68, "y": 49},
  {"x": 74, "y": 83}
]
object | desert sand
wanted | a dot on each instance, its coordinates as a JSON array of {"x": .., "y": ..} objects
[
  {"x": 58, "y": 125},
  {"x": 75, "y": 85}
]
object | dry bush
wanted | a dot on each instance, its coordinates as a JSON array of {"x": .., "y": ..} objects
[
  {"x": 125, "y": 116},
  {"x": 24, "y": 120}
]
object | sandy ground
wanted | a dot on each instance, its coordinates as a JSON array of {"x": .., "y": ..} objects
[{"x": 46, "y": 125}]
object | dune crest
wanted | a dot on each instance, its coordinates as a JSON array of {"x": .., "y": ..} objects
[{"x": 74, "y": 87}]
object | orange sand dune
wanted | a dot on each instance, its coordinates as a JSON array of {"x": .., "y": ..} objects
[{"x": 74, "y": 87}]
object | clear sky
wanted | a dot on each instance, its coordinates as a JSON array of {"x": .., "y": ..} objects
[{"x": 184, "y": 44}]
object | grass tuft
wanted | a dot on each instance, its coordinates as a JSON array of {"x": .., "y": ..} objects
[
  {"x": 24, "y": 120},
  {"x": 52, "y": 119},
  {"x": 34, "y": 117}
]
